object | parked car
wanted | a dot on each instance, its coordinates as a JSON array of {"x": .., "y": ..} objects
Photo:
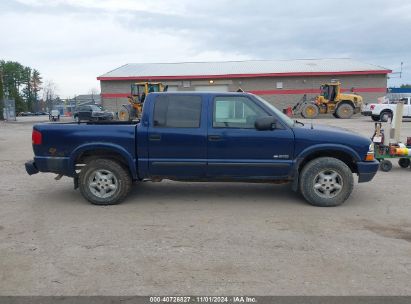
[
  {"x": 384, "y": 111},
  {"x": 54, "y": 115},
  {"x": 26, "y": 114},
  {"x": 91, "y": 113},
  {"x": 205, "y": 136}
]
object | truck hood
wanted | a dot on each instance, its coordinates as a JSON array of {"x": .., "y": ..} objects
[{"x": 321, "y": 134}]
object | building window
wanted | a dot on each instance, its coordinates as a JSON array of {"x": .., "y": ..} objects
[
  {"x": 186, "y": 84},
  {"x": 279, "y": 85}
]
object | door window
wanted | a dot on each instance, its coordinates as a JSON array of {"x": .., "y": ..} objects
[
  {"x": 177, "y": 111},
  {"x": 235, "y": 112}
]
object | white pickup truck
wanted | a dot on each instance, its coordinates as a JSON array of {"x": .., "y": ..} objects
[{"x": 384, "y": 111}]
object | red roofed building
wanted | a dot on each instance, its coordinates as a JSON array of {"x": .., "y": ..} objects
[{"x": 282, "y": 82}]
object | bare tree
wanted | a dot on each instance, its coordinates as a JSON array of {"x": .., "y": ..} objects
[
  {"x": 94, "y": 91},
  {"x": 49, "y": 93}
]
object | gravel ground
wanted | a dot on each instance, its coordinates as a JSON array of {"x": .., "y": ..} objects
[{"x": 199, "y": 238}]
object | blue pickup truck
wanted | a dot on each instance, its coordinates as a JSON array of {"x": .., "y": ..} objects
[{"x": 206, "y": 136}]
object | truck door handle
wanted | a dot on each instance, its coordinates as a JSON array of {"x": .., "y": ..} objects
[
  {"x": 154, "y": 137},
  {"x": 214, "y": 138}
]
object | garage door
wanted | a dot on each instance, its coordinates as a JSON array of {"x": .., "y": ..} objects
[{"x": 212, "y": 88}]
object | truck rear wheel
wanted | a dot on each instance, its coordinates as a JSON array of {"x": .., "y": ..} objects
[
  {"x": 375, "y": 118},
  {"x": 326, "y": 182},
  {"x": 344, "y": 111},
  {"x": 104, "y": 182},
  {"x": 309, "y": 111}
]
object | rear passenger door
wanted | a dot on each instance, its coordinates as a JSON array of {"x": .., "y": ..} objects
[{"x": 177, "y": 139}]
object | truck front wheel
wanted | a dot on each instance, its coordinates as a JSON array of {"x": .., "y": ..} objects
[
  {"x": 104, "y": 182},
  {"x": 326, "y": 182}
]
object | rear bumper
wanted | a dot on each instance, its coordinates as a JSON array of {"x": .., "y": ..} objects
[
  {"x": 59, "y": 165},
  {"x": 366, "y": 113},
  {"x": 31, "y": 167},
  {"x": 367, "y": 170}
]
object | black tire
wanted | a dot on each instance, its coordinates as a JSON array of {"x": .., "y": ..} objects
[
  {"x": 309, "y": 110},
  {"x": 404, "y": 162},
  {"x": 310, "y": 178},
  {"x": 385, "y": 165},
  {"x": 385, "y": 115},
  {"x": 97, "y": 172},
  {"x": 344, "y": 111},
  {"x": 375, "y": 118}
]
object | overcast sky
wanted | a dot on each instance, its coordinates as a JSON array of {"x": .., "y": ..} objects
[{"x": 72, "y": 42}]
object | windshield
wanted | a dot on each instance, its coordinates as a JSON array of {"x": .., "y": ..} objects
[
  {"x": 284, "y": 118},
  {"x": 153, "y": 88},
  {"x": 95, "y": 108}
]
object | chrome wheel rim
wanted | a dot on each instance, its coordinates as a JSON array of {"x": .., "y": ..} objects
[
  {"x": 328, "y": 183},
  {"x": 102, "y": 183},
  {"x": 385, "y": 117}
]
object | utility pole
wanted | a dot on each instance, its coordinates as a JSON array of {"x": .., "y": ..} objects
[{"x": 3, "y": 93}]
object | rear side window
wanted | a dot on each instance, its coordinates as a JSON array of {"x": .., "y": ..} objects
[{"x": 177, "y": 111}]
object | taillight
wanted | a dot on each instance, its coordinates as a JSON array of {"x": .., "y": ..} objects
[
  {"x": 372, "y": 107},
  {"x": 36, "y": 137}
]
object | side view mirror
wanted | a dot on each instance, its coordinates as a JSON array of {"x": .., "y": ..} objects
[{"x": 265, "y": 123}]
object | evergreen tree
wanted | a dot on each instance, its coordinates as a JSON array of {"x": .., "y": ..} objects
[{"x": 21, "y": 84}]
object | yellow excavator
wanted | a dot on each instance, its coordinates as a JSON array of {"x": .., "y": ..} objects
[
  {"x": 330, "y": 100},
  {"x": 139, "y": 91}
]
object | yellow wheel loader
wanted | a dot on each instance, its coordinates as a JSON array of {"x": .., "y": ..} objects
[
  {"x": 139, "y": 91},
  {"x": 330, "y": 100}
]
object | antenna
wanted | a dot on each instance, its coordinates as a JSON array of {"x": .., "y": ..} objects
[{"x": 397, "y": 73}]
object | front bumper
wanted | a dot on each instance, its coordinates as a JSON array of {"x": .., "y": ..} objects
[
  {"x": 31, "y": 167},
  {"x": 367, "y": 170},
  {"x": 366, "y": 113},
  {"x": 103, "y": 117}
]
